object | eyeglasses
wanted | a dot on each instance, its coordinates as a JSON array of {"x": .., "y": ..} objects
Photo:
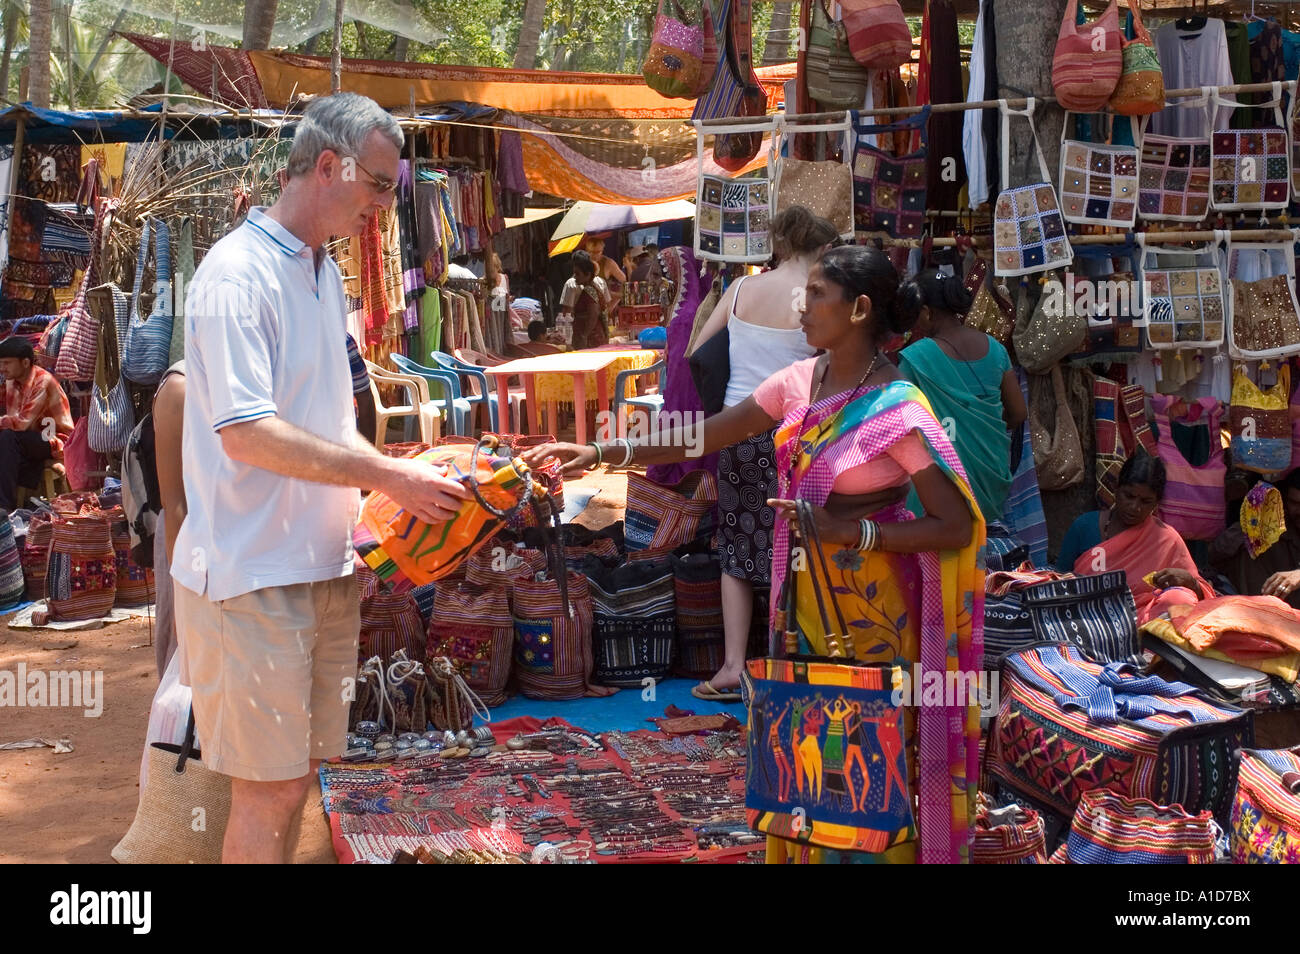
[{"x": 382, "y": 185}]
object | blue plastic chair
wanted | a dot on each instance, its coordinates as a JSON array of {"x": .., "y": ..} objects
[
  {"x": 652, "y": 403},
  {"x": 485, "y": 396},
  {"x": 454, "y": 407}
]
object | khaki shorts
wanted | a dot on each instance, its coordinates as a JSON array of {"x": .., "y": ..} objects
[{"x": 269, "y": 670}]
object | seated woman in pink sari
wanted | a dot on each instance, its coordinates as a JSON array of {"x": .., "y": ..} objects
[{"x": 1130, "y": 537}]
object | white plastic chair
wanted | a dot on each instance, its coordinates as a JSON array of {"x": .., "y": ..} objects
[{"x": 419, "y": 406}]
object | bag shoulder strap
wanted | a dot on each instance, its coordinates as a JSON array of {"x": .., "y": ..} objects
[
  {"x": 920, "y": 122},
  {"x": 1220, "y": 102},
  {"x": 1028, "y": 112}
]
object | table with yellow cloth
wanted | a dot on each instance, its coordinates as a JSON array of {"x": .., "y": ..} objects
[{"x": 559, "y": 387}]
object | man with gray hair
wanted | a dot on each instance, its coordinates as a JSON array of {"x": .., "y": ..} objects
[{"x": 266, "y": 604}]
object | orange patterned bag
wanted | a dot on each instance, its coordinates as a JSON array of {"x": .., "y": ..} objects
[{"x": 397, "y": 545}]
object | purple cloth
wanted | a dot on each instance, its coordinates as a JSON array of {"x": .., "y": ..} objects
[
  {"x": 510, "y": 163},
  {"x": 681, "y": 267}
]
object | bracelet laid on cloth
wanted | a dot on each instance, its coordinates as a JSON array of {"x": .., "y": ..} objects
[{"x": 600, "y": 455}]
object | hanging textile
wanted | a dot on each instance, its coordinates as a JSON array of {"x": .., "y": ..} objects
[
  {"x": 412, "y": 267},
  {"x": 945, "y": 183}
]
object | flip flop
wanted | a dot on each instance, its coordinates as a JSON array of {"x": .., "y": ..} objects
[{"x": 706, "y": 692}]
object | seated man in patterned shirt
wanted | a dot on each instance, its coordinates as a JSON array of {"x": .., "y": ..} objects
[{"x": 35, "y": 420}]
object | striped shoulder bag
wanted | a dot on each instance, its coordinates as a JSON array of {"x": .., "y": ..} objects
[{"x": 146, "y": 351}]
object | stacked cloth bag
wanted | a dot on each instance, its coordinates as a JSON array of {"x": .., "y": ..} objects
[
  {"x": 1266, "y": 810},
  {"x": 81, "y": 578},
  {"x": 390, "y": 620},
  {"x": 1109, "y": 829},
  {"x": 633, "y": 619},
  {"x": 135, "y": 583},
  {"x": 36, "y": 553},
  {"x": 12, "y": 585},
  {"x": 1067, "y": 725},
  {"x": 1007, "y": 624},
  {"x": 1007, "y": 836}
]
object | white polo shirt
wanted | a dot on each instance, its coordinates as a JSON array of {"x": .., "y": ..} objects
[{"x": 264, "y": 335}]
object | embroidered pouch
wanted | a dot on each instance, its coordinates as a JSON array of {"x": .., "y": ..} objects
[
  {"x": 1028, "y": 229},
  {"x": 888, "y": 190}
]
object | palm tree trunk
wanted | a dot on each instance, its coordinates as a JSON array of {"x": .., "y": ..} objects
[
  {"x": 777, "y": 49},
  {"x": 530, "y": 31},
  {"x": 11, "y": 13},
  {"x": 336, "y": 50},
  {"x": 40, "y": 22},
  {"x": 259, "y": 20},
  {"x": 402, "y": 46}
]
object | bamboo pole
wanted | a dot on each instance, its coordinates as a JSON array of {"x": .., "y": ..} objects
[
  {"x": 1153, "y": 238},
  {"x": 1021, "y": 103}
]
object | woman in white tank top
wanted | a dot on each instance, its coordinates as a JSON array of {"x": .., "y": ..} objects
[{"x": 761, "y": 314}]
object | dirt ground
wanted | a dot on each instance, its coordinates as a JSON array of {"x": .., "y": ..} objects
[{"x": 75, "y": 807}]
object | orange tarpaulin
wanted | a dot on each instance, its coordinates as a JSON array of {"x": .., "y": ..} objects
[{"x": 391, "y": 84}]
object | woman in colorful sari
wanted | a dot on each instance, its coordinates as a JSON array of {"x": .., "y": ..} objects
[
  {"x": 1130, "y": 537},
  {"x": 685, "y": 288},
  {"x": 851, "y": 433},
  {"x": 967, "y": 377}
]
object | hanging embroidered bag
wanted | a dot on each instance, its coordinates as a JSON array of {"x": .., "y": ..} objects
[
  {"x": 823, "y": 187},
  {"x": 1141, "y": 87},
  {"x": 112, "y": 415},
  {"x": 1174, "y": 172},
  {"x": 1067, "y": 725},
  {"x": 147, "y": 346},
  {"x": 1260, "y": 421},
  {"x": 1087, "y": 62},
  {"x": 835, "y": 79},
  {"x": 733, "y": 217},
  {"x": 878, "y": 35},
  {"x": 675, "y": 61},
  {"x": 1265, "y": 825},
  {"x": 1250, "y": 169},
  {"x": 733, "y": 150},
  {"x": 991, "y": 311},
  {"x": 1109, "y": 829},
  {"x": 1119, "y": 415},
  {"x": 1263, "y": 315},
  {"x": 1099, "y": 183},
  {"x": 1028, "y": 230},
  {"x": 1193, "y": 503},
  {"x": 1050, "y": 331},
  {"x": 889, "y": 191},
  {"x": 78, "y": 345},
  {"x": 1184, "y": 304},
  {"x": 1058, "y": 455}
]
